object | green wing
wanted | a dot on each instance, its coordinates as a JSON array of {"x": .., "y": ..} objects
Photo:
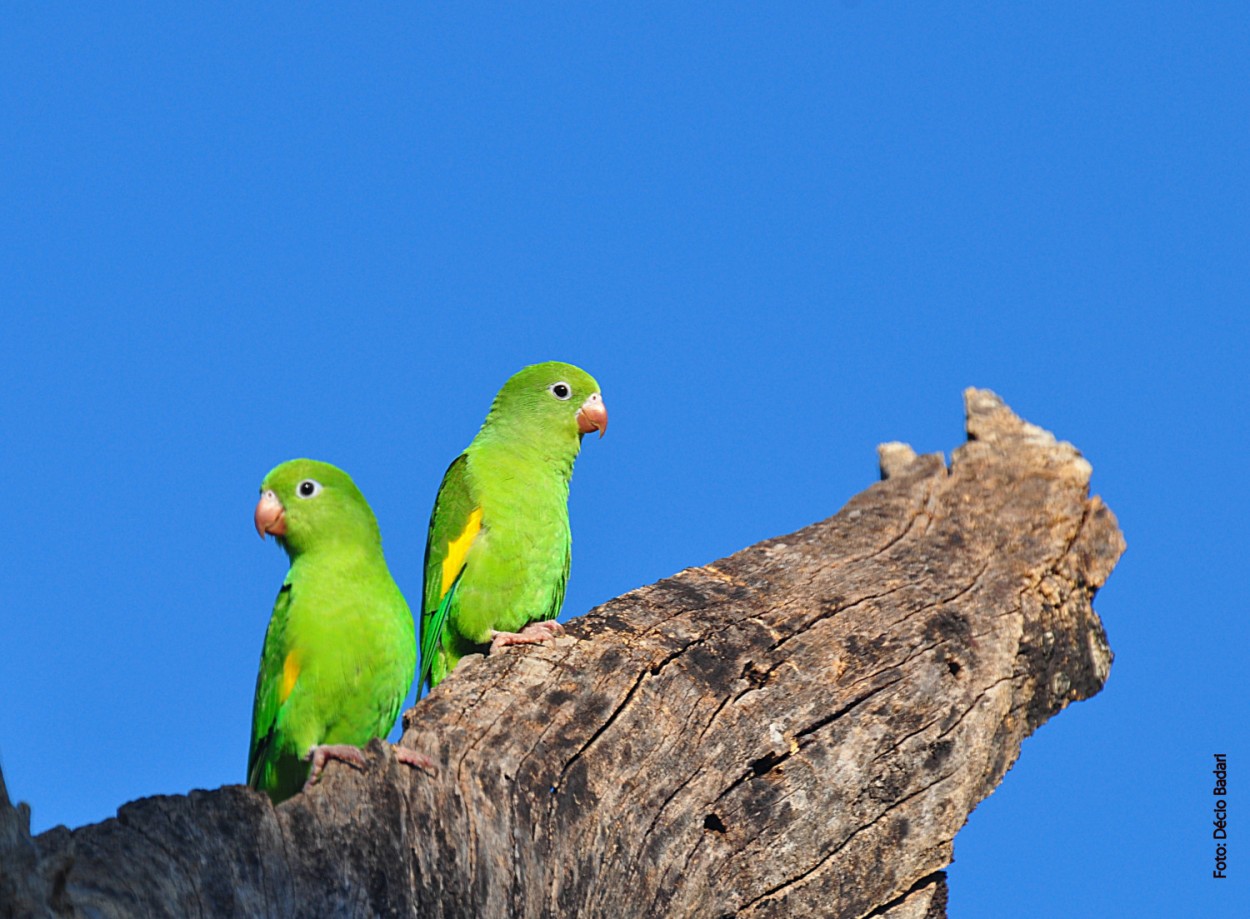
[
  {"x": 454, "y": 524},
  {"x": 261, "y": 756}
]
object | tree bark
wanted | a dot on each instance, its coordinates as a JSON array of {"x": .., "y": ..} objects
[{"x": 799, "y": 729}]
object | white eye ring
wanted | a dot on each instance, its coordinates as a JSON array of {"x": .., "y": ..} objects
[
  {"x": 309, "y": 488},
  {"x": 561, "y": 391}
]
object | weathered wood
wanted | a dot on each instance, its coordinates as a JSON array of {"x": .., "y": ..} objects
[{"x": 797, "y": 730}]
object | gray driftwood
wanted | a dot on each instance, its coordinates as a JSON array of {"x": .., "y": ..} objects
[{"x": 797, "y": 730}]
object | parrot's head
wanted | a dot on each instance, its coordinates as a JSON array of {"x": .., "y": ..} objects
[
  {"x": 307, "y": 504},
  {"x": 551, "y": 399}
]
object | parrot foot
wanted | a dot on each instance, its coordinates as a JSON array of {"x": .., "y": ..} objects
[
  {"x": 415, "y": 760},
  {"x": 533, "y": 634},
  {"x": 323, "y": 753}
]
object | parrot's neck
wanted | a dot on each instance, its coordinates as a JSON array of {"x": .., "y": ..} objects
[
  {"x": 527, "y": 452},
  {"x": 339, "y": 556}
]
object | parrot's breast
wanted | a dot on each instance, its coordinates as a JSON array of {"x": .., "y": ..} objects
[{"x": 516, "y": 569}]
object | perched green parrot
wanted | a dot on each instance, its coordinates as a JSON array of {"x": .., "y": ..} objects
[
  {"x": 497, "y": 553},
  {"x": 340, "y": 651}
]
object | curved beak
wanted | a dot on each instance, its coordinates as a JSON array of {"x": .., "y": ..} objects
[
  {"x": 593, "y": 415},
  {"x": 270, "y": 515}
]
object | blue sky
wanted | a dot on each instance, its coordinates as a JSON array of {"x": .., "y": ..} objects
[{"x": 777, "y": 236}]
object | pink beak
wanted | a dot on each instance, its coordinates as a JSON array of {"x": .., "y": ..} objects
[
  {"x": 270, "y": 516},
  {"x": 593, "y": 415}
]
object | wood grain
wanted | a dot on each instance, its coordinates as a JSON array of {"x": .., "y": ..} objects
[{"x": 799, "y": 729}]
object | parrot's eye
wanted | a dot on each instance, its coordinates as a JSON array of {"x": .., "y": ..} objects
[
  {"x": 560, "y": 390},
  {"x": 309, "y": 488}
]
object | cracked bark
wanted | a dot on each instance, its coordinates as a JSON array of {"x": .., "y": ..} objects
[{"x": 797, "y": 730}]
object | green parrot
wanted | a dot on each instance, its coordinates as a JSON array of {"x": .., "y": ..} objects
[
  {"x": 340, "y": 651},
  {"x": 497, "y": 553}
]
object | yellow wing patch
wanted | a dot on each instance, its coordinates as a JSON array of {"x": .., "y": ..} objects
[
  {"x": 290, "y": 673},
  {"x": 457, "y": 549}
]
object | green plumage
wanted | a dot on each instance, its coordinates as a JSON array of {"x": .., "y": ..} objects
[
  {"x": 340, "y": 651},
  {"x": 498, "y": 550}
]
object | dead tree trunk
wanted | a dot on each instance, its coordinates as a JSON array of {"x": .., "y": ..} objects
[{"x": 797, "y": 730}]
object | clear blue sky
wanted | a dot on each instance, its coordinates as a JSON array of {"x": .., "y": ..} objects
[{"x": 777, "y": 234}]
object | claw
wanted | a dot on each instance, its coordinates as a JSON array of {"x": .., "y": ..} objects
[
  {"x": 533, "y": 634},
  {"x": 415, "y": 760},
  {"x": 323, "y": 753}
]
